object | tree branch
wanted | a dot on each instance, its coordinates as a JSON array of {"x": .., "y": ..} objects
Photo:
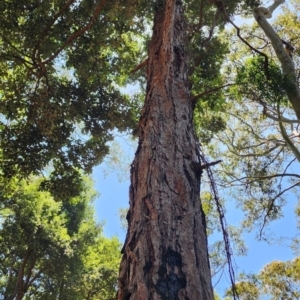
[
  {"x": 15, "y": 48},
  {"x": 238, "y": 30},
  {"x": 287, "y": 64},
  {"x": 199, "y": 26},
  {"x": 210, "y": 91},
  {"x": 77, "y": 33},
  {"x": 139, "y": 66},
  {"x": 255, "y": 154},
  {"x": 287, "y": 139},
  {"x": 48, "y": 27},
  {"x": 248, "y": 125},
  {"x": 256, "y": 178},
  {"x": 28, "y": 275},
  {"x": 282, "y": 120},
  {"x": 19, "y": 283},
  {"x": 271, "y": 205}
]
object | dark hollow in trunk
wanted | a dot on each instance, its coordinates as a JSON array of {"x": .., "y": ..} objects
[{"x": 165, "y": 253}]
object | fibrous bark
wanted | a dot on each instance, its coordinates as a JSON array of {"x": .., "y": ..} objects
[{"x": 165, "y": 253}]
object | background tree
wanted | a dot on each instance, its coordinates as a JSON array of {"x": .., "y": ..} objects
[
  {"x": 60, "y": 64},
  {"x": 52, "y": 249},
  {"x": 278, "y": 280},
  {"x": 260, "y": 143}
]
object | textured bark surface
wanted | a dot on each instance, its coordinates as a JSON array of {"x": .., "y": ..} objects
[{"x": 165, "y": 252}]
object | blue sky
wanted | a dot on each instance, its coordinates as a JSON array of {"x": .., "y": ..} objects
[{"x": 113, "y": 195}]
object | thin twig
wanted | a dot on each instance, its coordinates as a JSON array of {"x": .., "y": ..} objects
[
  {"x": 258, "y": 178},
  {"x": 211, "y": 90},
  {"x": 271, "y": 205},
  {"x": 221, "y": 6}
]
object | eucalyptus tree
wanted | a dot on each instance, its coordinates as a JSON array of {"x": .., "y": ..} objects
[
  {"x": 165, "y": 252},
  {"x": 60, "y": 64},
  {"x": 260, "y": 146}
]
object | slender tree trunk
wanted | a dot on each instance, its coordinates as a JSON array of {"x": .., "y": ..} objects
[
  {"x": 19, "y": 290},
  {"x": 165, "y": 252},
  {"x": 287, "y": 64}
]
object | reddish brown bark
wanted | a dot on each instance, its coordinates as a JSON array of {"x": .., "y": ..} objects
[{"x": 165, "y": 252}]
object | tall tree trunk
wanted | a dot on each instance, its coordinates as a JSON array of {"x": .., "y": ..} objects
[{"x": 165, "y": 253}]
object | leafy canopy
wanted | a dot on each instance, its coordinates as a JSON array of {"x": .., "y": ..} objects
[
  {"x": 53, "y": 249},
  {"x": 60, "y": 66}
]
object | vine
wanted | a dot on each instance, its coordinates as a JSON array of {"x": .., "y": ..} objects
[{"x": 221, "y": 213}]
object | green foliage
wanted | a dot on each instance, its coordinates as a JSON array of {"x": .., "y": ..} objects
[
  {"x": 268, "y": 81},
  {"x": 282, "y": 279},
  {"x": 63, "y": 183},
  {"x": 217, "y": 297},
  {"x": 246, "y": 291},
  {"x": 277, "y": 280},
  {"x": 101, "y": 262},
  {"x": 258, "y": 163},
  {"x": 208, "y": 126},
  {"x": 51, "y": 249},
  {"x": 208, "y": 54},
  {"x": 209, "y": 209},
  {"x": 246, "y": 7},
  {"x": 59, "y": 66}
]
